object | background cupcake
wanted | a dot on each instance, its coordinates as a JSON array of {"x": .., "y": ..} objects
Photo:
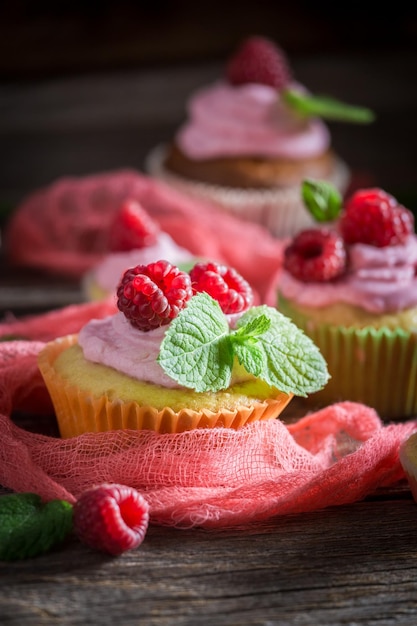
[
  {"x": 175, "y": 358},
  {"x": 252, "y": 137},
  {"x": 351, "y": 285}
]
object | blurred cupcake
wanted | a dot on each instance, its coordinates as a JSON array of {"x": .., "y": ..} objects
[
  {"x": 134, "y": 238},
  {"x": 184, "y": 351},
  {"x": 252, "y": 137},
  {"x": 351, "y": 285}
]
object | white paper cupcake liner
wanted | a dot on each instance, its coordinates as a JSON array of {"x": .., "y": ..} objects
[{"x": 282, "y": 211}]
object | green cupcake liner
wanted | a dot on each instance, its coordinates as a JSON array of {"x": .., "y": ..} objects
[{"x": 374, "y": 366}]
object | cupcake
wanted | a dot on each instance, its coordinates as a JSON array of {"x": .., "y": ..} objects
[
  {"x": 251, "y": 137},
  {"x": 185, "y": 350},
  {"x": 351, "y": 285},
  {"x": 134, "y": 238}
]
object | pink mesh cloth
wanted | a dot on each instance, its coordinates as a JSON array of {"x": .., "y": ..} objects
[
  {"x": 215, "y": 478},
  {"x": 64, "y": 227}
]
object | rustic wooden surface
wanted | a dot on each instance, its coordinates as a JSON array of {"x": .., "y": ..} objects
[{"x": 350, "y": 565}]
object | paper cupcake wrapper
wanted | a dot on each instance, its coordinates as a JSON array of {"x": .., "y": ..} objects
[
  {"x": 79, "y": 411},
  {"x": 281, "y": 211},
  {"x": 374, "y": 366}
]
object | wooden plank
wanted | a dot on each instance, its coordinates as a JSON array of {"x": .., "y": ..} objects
[{"x": 346, "y": 565}]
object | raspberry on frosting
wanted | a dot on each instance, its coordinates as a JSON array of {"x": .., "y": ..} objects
[
  {"x": 316, "y": 255},
  {"x": 132, "y": 228},
  {"x": 259, "y": 60},
  {"x": 374, "y": 217},
  {"x": 151, "y": 295},
  {"x": 224, "y": 284}
]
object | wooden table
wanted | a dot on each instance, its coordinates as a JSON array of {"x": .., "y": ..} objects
[{"x": 352, "y": 564}]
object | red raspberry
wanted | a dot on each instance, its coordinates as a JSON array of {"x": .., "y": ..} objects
[
  {"x": 111, "y": 518},
  {"x": 316, "y": 255},
  {"x": 223, "y": 284},
  {"x": 132, "y": 228},
  {"x": 374, "y": 217},
  {"x": 152, "y": 295},
  {"x": 259, "y": 60}
]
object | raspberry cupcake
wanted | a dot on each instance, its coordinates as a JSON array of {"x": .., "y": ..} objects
[
  {"x": 134, "y": 238},
  {"x": 185, "y": 350},
  {"x": 351, "y": 285},
  {"x": 252, "y": 137}
]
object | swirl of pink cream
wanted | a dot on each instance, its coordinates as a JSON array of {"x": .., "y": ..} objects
[
  {"x": 379, "y": 280},
  {"x": 251, "y": 119}
]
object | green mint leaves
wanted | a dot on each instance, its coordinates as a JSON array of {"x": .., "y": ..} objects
[
  {"x": 199, "y": 349},
  {"x": 322, "y": 199},
  {"x": 325, "y": 107},
  {"x": 29, "y": 527}
]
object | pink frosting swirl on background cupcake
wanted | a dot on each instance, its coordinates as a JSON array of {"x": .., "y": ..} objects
[
  {"x": 251, "y": 119},
  {"x": 108, "y": 272},
  {"x": 379, "y": 280}
]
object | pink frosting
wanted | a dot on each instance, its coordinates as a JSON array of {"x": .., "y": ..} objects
[
  {"x": 114, "y": 342},
  {"x": 379, "y": 280},
  {"x": 109, "y": 271},
  {"x": 226, "y": 120}
]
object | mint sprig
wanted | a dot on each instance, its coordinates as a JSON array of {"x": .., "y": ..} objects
[
  {"x": 199, "y": 349},
  {"x": 29, "y": 527},
  {"x": 308, "y": 105},
  {"x": 322, "y": 199}
]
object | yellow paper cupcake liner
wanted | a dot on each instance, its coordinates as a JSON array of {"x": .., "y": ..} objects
[
  {"x": 281, "y": 211},
  {"x": 377, "y": 367},
  {"x": 79, "y": 411}
]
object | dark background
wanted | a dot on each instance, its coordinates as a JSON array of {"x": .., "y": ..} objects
[{"x": 46, "y": 38}]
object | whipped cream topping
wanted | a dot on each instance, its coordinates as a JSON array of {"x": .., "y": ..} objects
[
  {"x": 109, "y": 271},
  {"x": 379, "y": 280},
  {"x": 250, "y": 119},
  {"x": 114, "y": 342}
]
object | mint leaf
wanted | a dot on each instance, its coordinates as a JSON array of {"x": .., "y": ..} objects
[
  {"x": 199, "y": 348},
  {"x": 29, "y": 527},
  {"x": 244, "y": 343},
  {"x": 293, "y": 363},
  {"x": 322, "y": 199},
  {"x": 196, "y": 350},
  {"x": 308, "y": 105}
]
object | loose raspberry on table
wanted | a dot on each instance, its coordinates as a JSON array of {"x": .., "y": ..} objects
[
  {"x": 259, "y": 60},
  {"x": 131, "y": 228},
  {"x": 224, "y": 284},
  {"x": 111, "y": 518},
  {"x": 152, "y": 295},
  {"x": 374, "y": 217},
  {"x": 316, "y": 255}
]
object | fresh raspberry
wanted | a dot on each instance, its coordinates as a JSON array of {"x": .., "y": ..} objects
[
  {"x": 132, "y": 228},
  {"x": 152, "y": 295},
  {"x": 111, "y": 518},
  {"x": 316, "y": 255},
  {"x": 374, "y": 217},
  {"x": 259, "y": 60},
  {"x": 224, "y": 284}
]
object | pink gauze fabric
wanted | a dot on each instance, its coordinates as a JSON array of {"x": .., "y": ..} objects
[
  {"x": 213, "y": 478},
  {"x": 64, "y": 227}
]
